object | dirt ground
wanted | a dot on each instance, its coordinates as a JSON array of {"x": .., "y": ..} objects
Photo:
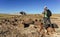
[{"x": 7, "y": 30}]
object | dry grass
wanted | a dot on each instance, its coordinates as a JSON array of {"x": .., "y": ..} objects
[{"x": 15, "y": 30}]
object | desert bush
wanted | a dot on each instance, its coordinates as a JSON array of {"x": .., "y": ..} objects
[{"x": 23, "y": 13}]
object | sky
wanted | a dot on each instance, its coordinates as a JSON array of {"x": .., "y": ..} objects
[{"x": 29, "y": 6}]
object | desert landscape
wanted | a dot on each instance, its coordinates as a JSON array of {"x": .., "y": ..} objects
[
  {"x": 29, "y": 18},
  {"x": 11, "y": 25}
]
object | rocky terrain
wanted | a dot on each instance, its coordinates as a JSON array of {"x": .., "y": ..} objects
[{"x": 12, "y": 26}]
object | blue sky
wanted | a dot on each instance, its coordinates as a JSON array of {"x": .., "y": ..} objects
[{"x": 29, "y": 6}]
